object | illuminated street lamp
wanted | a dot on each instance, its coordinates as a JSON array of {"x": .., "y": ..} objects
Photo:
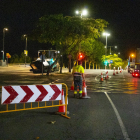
[
  {"x": 106, "y": 34},
  {"x": 4, "y": 29},
  {"x": 132, "y": 55},
  {"x": 84, "y": 12}
]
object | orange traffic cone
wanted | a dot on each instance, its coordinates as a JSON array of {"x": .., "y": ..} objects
[
  {"x": 114, "y": 72},
  {"x": 61, "y": 109},
  {"x": 84, "y": 92},
  {"x": 106, "y": 76},
  {"x": 101, "y": 77},
  {"x": 72, "y": 86}
]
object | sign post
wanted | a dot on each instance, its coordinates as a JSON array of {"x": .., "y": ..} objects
[
  {"x": 43, "y": 53},
  {"x": 8, "y": 56},
  {"x": 25, "y": 52},
  {"x": 69, "y": 56}
]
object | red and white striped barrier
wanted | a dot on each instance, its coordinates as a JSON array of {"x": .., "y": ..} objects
[{"x": 30, "y": 93}]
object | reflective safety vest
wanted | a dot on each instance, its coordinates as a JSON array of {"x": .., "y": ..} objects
[{"x": 78, "y": 70}]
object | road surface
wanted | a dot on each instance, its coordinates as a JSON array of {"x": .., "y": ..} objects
[{"x": 112, "y": 112}]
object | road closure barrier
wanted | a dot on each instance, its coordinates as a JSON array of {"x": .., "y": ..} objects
[{"x": 28, "y": 97}]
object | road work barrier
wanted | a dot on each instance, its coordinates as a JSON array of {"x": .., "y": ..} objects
[{"x": 27, "y": 97}]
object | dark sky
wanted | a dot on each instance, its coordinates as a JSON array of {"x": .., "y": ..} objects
[{"x": 20, "y": 16}]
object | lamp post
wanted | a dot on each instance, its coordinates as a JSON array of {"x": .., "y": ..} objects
[
  {"x": 4, "y": 29},
  {"x": 110, "y": 48},
  {"x": 106, "y": 34},
  {"x": 25, "y": 48},
  {"x": 84, "y": 12},
  {"x": 133, "y": 60}
]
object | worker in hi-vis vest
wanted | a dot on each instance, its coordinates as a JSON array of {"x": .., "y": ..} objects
[{"x": 78, "y": 77}]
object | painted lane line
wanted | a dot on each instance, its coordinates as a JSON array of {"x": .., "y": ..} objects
[
  {"x": 96, "y": 77},
  {"x": 125, "y": 134}
]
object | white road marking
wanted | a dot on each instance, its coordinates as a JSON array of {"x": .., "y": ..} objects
[
  {"x": 125, "y": 134},
  {"x": 96, "y": 77}
]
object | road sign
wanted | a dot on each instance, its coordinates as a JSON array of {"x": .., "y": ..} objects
[
  {"x": 26, "y": 52},
  {"x": 30, "y": 93},
  {"x": 111, "y": 61},
  {"x": 8, "y": 55}
]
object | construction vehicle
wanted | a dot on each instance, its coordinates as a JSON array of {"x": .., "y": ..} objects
[{"x": 46, "y": 60}]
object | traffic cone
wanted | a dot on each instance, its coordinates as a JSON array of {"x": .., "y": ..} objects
[
  {"x": 120, "y": 71},
  {"x": 117, "y": 72},
  {"x": 106, "y": 76},
  {"x": 61, "y": 109},
  {"x": 72, "y": 86},
  {"x": 84, "y": 92},
  {"x": 114, "y": 72},
  {"x": 84, "y": 84},
  {"x": 101, "y": 77}
]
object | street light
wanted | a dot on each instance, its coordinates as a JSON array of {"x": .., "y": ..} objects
[
  {"x": 25, "y": 48},
  {"x": 4, "y": 29},
  {"x": 112, "y": 46},
  {"x": 132, "y": 55},
  {"x": 84, "y": 12},
  {"x": 106, "y": 34}
]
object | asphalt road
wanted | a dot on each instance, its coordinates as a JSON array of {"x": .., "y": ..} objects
[{"x": 112, "y": 112}]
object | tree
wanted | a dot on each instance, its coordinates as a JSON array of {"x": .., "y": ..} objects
[
  {"x": 67, "y": 33},
  {"x": 117, "y": 62},
  {"x": 93, "y": 50},
  {"x": 16, "y": 59}
]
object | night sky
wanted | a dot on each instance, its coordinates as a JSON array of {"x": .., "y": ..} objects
[{"x": 20, "y": 17}]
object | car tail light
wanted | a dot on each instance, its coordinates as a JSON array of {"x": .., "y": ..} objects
[{"x": 136, "y": 74}]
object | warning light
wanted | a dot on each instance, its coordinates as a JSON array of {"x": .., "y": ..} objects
[{"x": 80, "y": 56}]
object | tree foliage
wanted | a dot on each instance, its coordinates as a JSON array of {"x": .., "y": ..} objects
[
  {"x": 20, "y": 59},
  {"x": 117, "y": 62},
  {"x": 66, "y": 33}
]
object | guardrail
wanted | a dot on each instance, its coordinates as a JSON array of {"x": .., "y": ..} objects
[{"x": 12, "y": 107}]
